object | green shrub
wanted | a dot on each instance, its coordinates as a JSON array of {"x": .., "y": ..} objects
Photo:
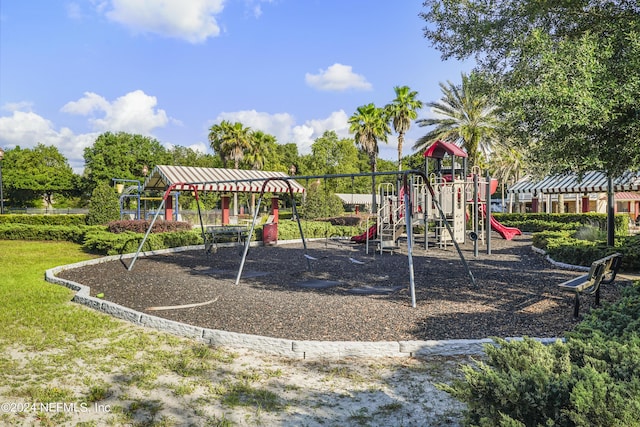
[
  {"x": 288, "y": 230},
  {"x": 55, "y": 219},
  {"x": 103, "y": 242},
  {"x": 592, "y": 379},
  {"x": 533, "y": 222},
  {"x": 141, "y": 226},
  {"x": 104, "y": 205},
  {"x": 74, "y": 234},
  {"x": 320, "y": 204}
]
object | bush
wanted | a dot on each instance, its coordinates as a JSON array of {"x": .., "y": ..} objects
[
  {"x": 320, "y": 204},
  {"x": 71, "y": 219},
  {"x": 141, "y": 226},
  {"x": 43, "y": 232},
  {"x": 535, "y": 221},
  {"x": 104, "y": 205},
  {"x": 593, "y": 379},
  {"x": 103, "y": 242}
]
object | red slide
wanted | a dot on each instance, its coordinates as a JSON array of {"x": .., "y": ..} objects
[
  {"x": 507, "y": 233},
  {"x": 363, "y": 237}
]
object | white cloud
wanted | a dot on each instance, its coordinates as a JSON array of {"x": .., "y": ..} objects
[
  {"x": 284, "y": 128},
  {"x": 134, "y": 112},
  {"x": 337, "y": 77},
  {"x": 255, "y": 7},
  {"x": 278, "y": 125},
  {"x": 192, "y": 20},
  {"x": 27, "y": 129}
]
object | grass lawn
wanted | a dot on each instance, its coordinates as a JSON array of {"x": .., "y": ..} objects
[{"x": 65, "y": 364}]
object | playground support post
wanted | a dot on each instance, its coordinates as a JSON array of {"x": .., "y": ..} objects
[
  {"x": 475, "y": 213},
  {"x": 253, "y": 224},
  {"x": 487, "y": 209},
  {"x": 155, "y": 217},
  {"x": 443, "y": 217},
  {"x": 409, "y": 221}
]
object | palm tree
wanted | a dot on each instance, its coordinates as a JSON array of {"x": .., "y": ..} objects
[
  {"x": 402, "y": 110},
  {"x": 261, "y": 144},
  {"x": 508, "y": 163},
  {"x": 370, "y": 124},
  {"x": 237, "y": 143},
  {"x": 217, "y": 135},
  {"x": 231, "y": 141},
  {"x": 465, "y": 117}
]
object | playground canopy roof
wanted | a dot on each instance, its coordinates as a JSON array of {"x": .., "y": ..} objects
[
  {"x": 438, "y": 149},
  {"x": 218, "y": 179},
  {"x": 591, "y": 182}
]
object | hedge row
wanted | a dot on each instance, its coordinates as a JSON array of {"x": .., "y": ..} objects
[
  {"x": 99, "y": 240},
  {"x": 71, "y": 219},
  {"x": 142, "y": 225},
  {"x": 591, "y": 380},
  {"x": 563, "y": 246},
  {"x": 533, "y": 222},
  {"x": 106, "y": 243},
  {"x": 72, "y": 233}
]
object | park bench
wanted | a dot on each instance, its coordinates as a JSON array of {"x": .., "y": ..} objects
[
  {"x": 224, "y": 233},
  {"x": 602, "y": 271}
]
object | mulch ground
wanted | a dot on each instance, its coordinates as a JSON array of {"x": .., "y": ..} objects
[{"x": 359, "y": 297}]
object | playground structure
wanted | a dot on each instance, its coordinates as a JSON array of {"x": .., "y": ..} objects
[
  {"x": 432, "y": 207},
  {"x": 463, "y": 199}
]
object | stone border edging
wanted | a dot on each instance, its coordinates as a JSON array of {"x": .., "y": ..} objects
[
  {"x": 267, "y": 345},
  {"x": 558, "y": 263}
]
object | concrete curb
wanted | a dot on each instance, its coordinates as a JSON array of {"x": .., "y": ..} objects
[{"x": 267, "y": 345}]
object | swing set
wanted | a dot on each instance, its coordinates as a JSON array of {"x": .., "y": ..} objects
[{"x": 409, "y": 197}]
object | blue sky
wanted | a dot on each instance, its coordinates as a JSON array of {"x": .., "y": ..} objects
[{"x": 170, "y": 69}]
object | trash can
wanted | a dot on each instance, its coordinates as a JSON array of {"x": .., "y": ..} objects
[{"x": 270, "y": 234}]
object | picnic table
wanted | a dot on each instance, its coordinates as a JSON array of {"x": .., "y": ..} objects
[{"x": 224, "y": 233}]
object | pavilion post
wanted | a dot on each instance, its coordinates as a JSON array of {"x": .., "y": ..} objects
[
  {"x": 611, "y": 218},
  {"x": 225, "y": 209}
]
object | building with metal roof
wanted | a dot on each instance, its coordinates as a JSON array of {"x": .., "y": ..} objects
[
  {"x": 580, "y": 194},
  {"x": 591, "y": 182}
]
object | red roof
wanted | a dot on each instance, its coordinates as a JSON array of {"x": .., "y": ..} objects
[{"x": 438, "y": 149}]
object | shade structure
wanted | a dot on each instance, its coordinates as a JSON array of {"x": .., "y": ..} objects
[
  {"x": 438, "y": 149},
  {"x": 218, "y": 179},
  {"x": 590, "y": 182}
]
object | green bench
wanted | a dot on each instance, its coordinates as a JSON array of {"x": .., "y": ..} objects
[{"x": 602, "y": 271}]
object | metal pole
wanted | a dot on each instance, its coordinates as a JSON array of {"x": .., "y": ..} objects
[
  {"x": 144, "y": 239},
  {"x": 487, "y": 209},
  {"x": 1, "y": 185},
  {"x": 408, "y": 221},
  {"x": 611, "y": 218},
  {"x": 475, "y": 214}
]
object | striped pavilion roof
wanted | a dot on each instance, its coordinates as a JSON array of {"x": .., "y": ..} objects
[
  {"x": 218, "y": 179},
  {"x": 591, "y": 182}
]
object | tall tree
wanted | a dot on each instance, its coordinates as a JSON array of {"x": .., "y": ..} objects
[
  {"x": 370, "y": 124},
  {"x": 231, "y": 141},
  {"x": 402, "y": 110},
  {"x": 569, "y": 73},
  {"x": 261, "y": 147},
  {"x": 122, "y": 155},
  {"x": 464, "y": 116},
  {"x": 33, "y": 175}
]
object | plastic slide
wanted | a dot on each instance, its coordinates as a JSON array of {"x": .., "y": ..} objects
[
  {"x": 507, "y": 233},
  {"x": 363, "y": 237}
]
